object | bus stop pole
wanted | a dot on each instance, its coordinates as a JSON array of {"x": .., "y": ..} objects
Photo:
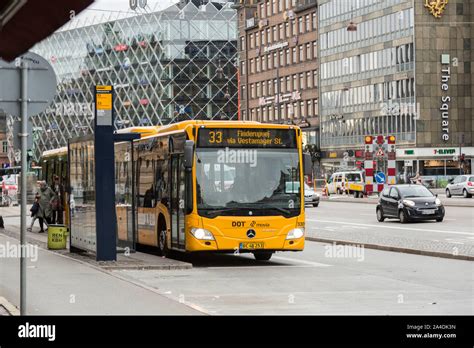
[{"x": 24, "y": 165}]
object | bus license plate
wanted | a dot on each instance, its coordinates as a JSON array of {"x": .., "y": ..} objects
[
  {"x": 429, "y": 211},
  {"x": 251, "y": 245}
]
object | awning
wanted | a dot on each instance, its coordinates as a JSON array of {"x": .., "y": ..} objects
[{"x": 23, "y": 23}]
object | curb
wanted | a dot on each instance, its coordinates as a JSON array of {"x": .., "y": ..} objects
[
  {"x": 10, "y": 308},
  {"x": 375, "y": 201},
  {"x": 394, "y": 249}
]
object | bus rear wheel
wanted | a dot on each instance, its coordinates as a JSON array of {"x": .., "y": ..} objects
[{"x": 262, "y": 255}]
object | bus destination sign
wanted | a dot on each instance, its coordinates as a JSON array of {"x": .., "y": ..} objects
[{"x": 247, "y": 137}]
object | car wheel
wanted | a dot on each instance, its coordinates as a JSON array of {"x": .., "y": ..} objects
[
  {"x": 262, "y": 255},
  {"x": 448, "y": 193},
  {"x": 466, "y": 194},
  {"x": 403, "y": 216},
  {"x": 440, "y": 219},
  {"x": 380, "y": 217}
]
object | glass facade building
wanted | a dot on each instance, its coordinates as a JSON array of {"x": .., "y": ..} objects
[{"x": 166, "y": 66}]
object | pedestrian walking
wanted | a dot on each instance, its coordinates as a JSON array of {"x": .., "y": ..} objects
[
  {"x": 417, "y": 179},
  {"x": 34, "y": 212},
  {"x": 45, "y": 209}
]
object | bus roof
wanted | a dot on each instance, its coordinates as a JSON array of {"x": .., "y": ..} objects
[
  {"x": 55, "y": 152},
  {"x": 211, "y": 123},
  {"x": 144, "y": 131}
]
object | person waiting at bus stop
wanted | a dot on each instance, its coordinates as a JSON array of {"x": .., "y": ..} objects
[
  {"x": 56, "y": 204},
  {"x": 46, "y": 196}
]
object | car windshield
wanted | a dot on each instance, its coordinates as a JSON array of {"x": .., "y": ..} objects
[
  {"x": 414, "y": 191},
  {"x": 265, "y": 181}
]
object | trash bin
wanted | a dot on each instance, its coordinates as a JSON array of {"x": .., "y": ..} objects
[{"x": 57, "y": 237}]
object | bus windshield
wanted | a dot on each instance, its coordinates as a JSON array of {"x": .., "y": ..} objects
[{"x": 248, "y": 182}]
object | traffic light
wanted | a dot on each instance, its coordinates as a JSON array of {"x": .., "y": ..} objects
[
  {"x": 391, "y": 139},
  {"x": 368, "y": 140}
]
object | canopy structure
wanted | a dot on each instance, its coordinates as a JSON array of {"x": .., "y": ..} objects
[{"x": 23, "y": 23}]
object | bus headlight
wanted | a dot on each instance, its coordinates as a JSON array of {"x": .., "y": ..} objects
[
  {"x": 201, "y": 233},
  {"x": 295, "y": 233}
]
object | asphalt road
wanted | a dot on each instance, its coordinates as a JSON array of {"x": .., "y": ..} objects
[
  {"x": 319, "y": 280},
  {"x": 358, "y": 223}
]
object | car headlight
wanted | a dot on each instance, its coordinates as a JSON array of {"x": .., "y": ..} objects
[
  {"x": 201, "y": 233},
  {"x": 295, "y": 233},
  {"x": 408, "y": 203},
  {"x": 438, "y": 201}
]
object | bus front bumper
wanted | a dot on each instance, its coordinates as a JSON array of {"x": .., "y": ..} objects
[{"x": 231, "y": 244}]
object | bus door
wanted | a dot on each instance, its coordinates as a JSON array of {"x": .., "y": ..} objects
[{"x": 177, "y": 201}]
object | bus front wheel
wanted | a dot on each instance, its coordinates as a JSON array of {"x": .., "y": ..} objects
[{"x": 262, "y": 255}]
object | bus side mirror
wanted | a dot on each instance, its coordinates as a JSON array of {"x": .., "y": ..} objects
[
  {"x": 188, "y": 154},
  {"x": 307, "y": 164}
]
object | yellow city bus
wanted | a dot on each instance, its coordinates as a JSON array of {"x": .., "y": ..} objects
[{"x": 215, "y": 186}]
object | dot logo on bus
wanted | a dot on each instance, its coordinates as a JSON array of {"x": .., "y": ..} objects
[
  {"x": 251, "y": 233},
  {"x": 238, "y": 223}
]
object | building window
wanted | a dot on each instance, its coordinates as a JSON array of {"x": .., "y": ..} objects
[
  {"x": 282, "y": 33},
  {"x": 282, "y": 85},
  {"x": 302, "y": 84},
  {"x": 300, "y": 25},
  {"x": 315, "y": 78},
  {"x": 295, "y": 27},
  {"x": 269, "y": 61},
  {"x": 301, "y": 53},
  {"x": 294, "y": 59},
  {"x": 270, "y": 87},
  {"x": 275, "y": 60},
  {"x": 315, "y": 23},
  {"x": 280, "y": 5},
  {"x": 302, "y": 106},
  {"x": 262, "y": 10},
  {"x": 252, "y": 67},
  {"x": 258, "y": 89},
  {"x": 309, "y": 79},
  {"x": 308, "y": 51},
  {"x": 275, "y": 33},
  {"x": 251, "y": 41},
  {"x": 295, "y": 82},
  {"x": 242, "y": 43},
  {"x": 4, "y": 146},
  {"x": 274, "y": 6},
  {"x": 265, "y": 113},
  {"x": 242, "y": 68},
  {"x": 310, "y": 108},
  {"x": 288, "y": 56},
  {"x": 269, "y": 11},
  {"x": 264, "y": 64},
  {"x": 315, "y": 49},
  {"x": 308, "y": 23},
  {"x": 263, "y": 37},
  {"x": 257, "y": 60},
  {"x": 264, "y": 89},
  {"x": 252, "y": 91},
  {"x": 287, "y": 30},
  {"x": 257, "y": 39},
  {"x": 281, "y": 62},
  {"x": 288, "y": 84}
]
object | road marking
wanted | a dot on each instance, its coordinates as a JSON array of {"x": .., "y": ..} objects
[
  {"x": 315, "y": 264},
  {"x": 387, "y": 226}
]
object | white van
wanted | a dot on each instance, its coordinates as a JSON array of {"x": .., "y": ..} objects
[{"x": 339, "y": 180}]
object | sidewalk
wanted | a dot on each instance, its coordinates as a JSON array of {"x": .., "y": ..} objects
[
  {"x": 60, "y": 285},
  {"x": 64, "y": 283}
]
